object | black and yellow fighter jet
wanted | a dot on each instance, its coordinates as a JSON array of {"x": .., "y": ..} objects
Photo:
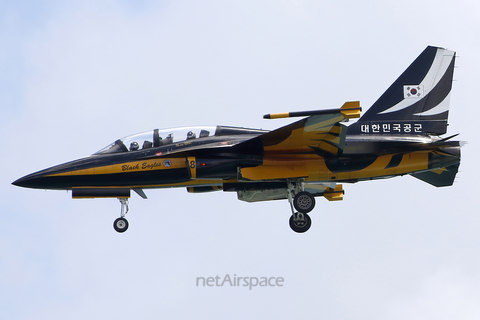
[{"x": 400, "y": 134}]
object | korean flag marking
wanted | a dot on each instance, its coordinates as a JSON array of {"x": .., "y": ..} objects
[{"x": 413, "y": 91}]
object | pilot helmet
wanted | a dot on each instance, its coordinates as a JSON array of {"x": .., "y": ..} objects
[
  {"x": 134, "y": 146},
  {"x": 191, "y": 135}
]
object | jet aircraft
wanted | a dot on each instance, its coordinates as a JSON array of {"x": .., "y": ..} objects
[{"x": 400, "y": 134}]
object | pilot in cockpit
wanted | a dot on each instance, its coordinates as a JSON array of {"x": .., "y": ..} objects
[
  {"x": 191, "y": 135},
  {"x": 134, "y": 146}
]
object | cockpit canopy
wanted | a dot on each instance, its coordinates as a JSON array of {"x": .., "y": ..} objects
[{"x": 157, "y": 138}]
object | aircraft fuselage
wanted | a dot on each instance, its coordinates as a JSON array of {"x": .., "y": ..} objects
[{"x": 194, "y": 163}]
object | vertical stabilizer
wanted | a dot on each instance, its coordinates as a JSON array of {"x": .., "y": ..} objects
[{"x": 417, "y": 102}]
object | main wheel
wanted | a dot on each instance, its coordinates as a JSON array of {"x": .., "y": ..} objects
[
  {"x": 301, "y": 223},
  {"x": 304, "y": 202},
  {"x": 120, "y": 225}
]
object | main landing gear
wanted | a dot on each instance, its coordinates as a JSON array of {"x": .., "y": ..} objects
[
  {"x": 121, "y": 224},
  {"x": 303, "y": 202}
]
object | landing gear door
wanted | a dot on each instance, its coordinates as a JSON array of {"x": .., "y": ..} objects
[{"x": 192, "y": 167}]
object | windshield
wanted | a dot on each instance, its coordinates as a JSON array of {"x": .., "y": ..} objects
[{"x": 157, "y": 138}]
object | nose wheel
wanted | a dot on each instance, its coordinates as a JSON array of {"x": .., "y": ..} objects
[{"x": 121, "y": 224}]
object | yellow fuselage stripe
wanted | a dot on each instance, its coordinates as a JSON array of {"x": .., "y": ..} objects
[{"x": 134, "y": 166}]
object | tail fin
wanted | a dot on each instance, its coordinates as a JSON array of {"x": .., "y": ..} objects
[{"x": 417, "y": 102}]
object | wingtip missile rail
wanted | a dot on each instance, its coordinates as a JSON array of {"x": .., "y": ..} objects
[{"x": 350, "y": 109}]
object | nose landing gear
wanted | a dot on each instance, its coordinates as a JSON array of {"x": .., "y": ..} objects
[{"x": 121, "y": 224}]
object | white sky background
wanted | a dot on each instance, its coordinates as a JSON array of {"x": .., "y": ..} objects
[{"x": 74, "y": 77}]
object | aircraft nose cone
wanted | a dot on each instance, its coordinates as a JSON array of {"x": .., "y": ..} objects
[
  {"x": 29, "y": 181},
  {"x": 19, "y": 182},
  {"x": 53, "y": 178}
]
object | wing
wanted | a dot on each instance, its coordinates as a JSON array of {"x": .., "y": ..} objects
[
  {"x": 285, "y": 149},
  {"x": 321, "y": 132}
]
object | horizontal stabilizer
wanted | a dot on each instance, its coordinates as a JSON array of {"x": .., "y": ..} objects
[{"x": 443, "y": 177}]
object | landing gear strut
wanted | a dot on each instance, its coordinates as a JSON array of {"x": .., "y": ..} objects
[
  {"x": 121, "y": 224},
  {"x": 303, "y": 202}
]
